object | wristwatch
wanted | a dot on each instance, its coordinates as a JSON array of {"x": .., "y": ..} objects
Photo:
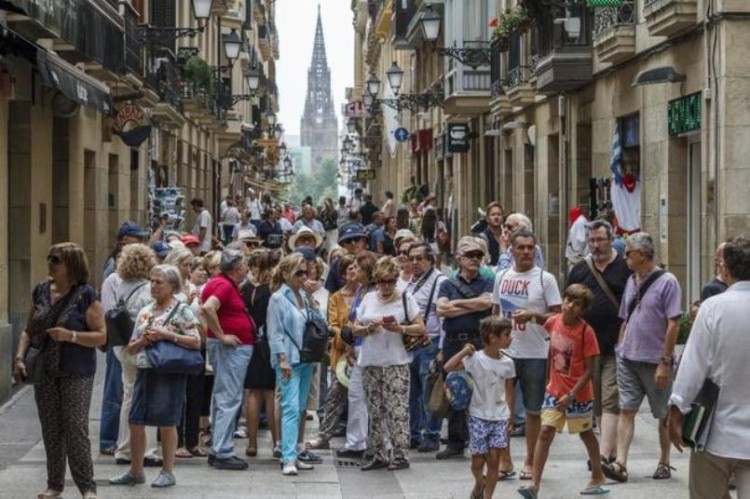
[{"x": 666, "y": 360}]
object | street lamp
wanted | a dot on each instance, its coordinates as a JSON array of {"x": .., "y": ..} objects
[
  {"x": 232, "y": 45},
  {"x": 271, "y": 117},
  {"x": 278, "y": 131},
  {"x": 373, "y": 85},
  {"x": 473, "y": 57},
  {"x": 253, "y": 79},
  {"x": 282, "y": 148},
  {"x": 367, "y": 99},
  {"x": 395, "y": 76},
  {"x": 164, "y": 34}
]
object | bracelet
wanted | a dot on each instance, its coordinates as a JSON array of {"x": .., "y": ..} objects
[
  {"x": 74, "y": 338},
  {"x": 176, "y": 337}
]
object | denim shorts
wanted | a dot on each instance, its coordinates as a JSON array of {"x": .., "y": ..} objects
[
  {"x": 531, "y": 374},
  {"x": 158, "y": 399}
]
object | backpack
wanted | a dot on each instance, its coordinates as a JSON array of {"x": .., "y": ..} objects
[{"x": 119, "y": 324}]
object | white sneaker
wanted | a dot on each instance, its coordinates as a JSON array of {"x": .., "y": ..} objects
[
  {"x": 304, "y": 466},
  {"x": 289, "y": 469}
]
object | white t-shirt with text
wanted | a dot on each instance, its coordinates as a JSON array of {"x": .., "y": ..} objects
[{"x": 535, "y": 290}]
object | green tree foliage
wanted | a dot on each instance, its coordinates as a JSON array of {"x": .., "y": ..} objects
[{"x": 318, "y": 185}]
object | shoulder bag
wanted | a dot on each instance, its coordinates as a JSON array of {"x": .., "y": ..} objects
[
  {"x": 412, "y": 342},
  {"x": 167, "y": 357},
  {"x": 602, "y": 283},
  {"x": 119, "y": 324},
  {"x": 642, "y": 291},
  {"x": 314, "y": 338}
]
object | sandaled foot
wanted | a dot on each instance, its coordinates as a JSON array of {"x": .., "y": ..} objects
[
  {"x": 478, "y": 494},
  {"x": 594, "y": 490},
  {"x": 50, "y": 494},
  {"x": 505, "y": 475},
  {"x": 198, "y": 452},
  {"x": 528, "y": 492},
  {"x": 663, "y": 472},
  {"x": 183, "y": 453},
  {"x": 318, "y": 443},
  {"x": 615, "y": 471},
  {"x": 525, "y": 475}
]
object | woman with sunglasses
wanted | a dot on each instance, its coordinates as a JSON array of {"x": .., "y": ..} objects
[
  {"x": 289, "y": 309},
  {"x": 65, "y": 325},
  {"x": 383, "y": 319},
  {"x": 260, "y": 381}
]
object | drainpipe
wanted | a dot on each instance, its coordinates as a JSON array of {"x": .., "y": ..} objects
[
  {"x": 712, "y": 83},
  {"x": 564, "y": 204}
]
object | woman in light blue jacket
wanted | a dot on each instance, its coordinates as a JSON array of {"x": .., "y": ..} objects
[{"x": 288, "y": 311}]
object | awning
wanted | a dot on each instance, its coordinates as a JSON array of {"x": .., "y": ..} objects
[{"x": 75, "y": 84}]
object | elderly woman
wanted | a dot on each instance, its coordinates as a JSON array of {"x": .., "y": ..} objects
[
  {"x": 129, "y": 285},
  {"x": 157, "y": 397},
  {"x": 288, "y": 311},
  {"x": 260, "y": 380},
  {"x": 65, "y": 325},
  {"x": 402, "y": 242},
  {"x": 339, "y": 306},
  {"x": 383, "y": 319}
]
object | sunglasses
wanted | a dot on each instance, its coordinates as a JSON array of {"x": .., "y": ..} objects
[
  {"x": 476, "y": 255},
  {"x": 387, "y": 281},
  {"x": 54, "y": 259},
  {"x": 352, "y": 241},
  {"x": 403, "y": 253}
]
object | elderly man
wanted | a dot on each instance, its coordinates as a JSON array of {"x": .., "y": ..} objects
[
  {"x": 650, "y": 310},
  {"x": 717, "y": 350},
  {"x": 605, "y": 273},
  {"x": 514, "y": 222},
  {"x": 527, "y": 296},
  {"x": 462, "y": 302},
  {"x": 424, "y": 286},
  {"x": 230, "y": 346},
  {"x": 307, "y": 219}
]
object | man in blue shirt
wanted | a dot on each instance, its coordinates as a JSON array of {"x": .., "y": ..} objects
[{"x": 462, "y": 302}]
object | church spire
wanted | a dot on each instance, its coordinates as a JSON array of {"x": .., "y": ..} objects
[{"x": 319, "y": 46}]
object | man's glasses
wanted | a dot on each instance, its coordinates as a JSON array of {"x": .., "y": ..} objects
[
  {"x": 387, "y": 281},
  {"x": 54, "y": 259},
  {"x": 475, "y": 255},
  {"x": 593, "y": 240},
  {"x": 509, "y": 227}
]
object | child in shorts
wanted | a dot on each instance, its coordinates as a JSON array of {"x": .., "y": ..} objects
[
  {"x": 489, "y": 416},
  {"x": 569, "y": 396}
]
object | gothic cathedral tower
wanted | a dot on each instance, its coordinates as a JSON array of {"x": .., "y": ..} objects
[{"x": 319, "y": 125}]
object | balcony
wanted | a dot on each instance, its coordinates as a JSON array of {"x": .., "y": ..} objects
[
  {"x": 403, "y": 13},
  {"x": 565, "y": 60},
  {"x": 133, "y": 47},
  {"x": 614, "y": 32},
  {"x": 467, "y": 91},
  {"x": 264, "y": 42},
  {"x": 274, "y": 34},
  {"x": 669, "y": 17},
  {"x": 259, "y": 11},
  {"x": 499, "y": 102},
  {"x": 518, "y": 89},
  {"x": 164, "y": 81}
]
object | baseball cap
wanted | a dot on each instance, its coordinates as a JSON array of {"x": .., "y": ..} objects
[
  {"x": 351, "y": 231},
  {"x": 467, "y": 244},
  {"x": 402, "y": 234},
  {"x": 161, "y": 248},
  {"x": 132, "y": 229},
  {"x": 306, "y": 252},
  {"x": 190, "y": 239}
]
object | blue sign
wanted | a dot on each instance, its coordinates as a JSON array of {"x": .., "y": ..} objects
[{"x": 402, "y": 134}]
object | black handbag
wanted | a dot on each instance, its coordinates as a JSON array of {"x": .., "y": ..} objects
[
  {"x": 34, "y": 362},
  {"x": 314, "y": 339},
  {"x": 119, "y": 324},
  {"x": 166, "y": 357}
]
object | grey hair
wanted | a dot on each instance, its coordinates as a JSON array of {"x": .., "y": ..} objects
[
  {"x": 598, "y": 224},
  {"x": 230, "y": 258},
  {"x": 642, "y": 241},
  {"x": 176, "y": 255},
  {"x": 521, "y": 220},
  {"x": 171, "y": 275},
  {"x": 519, "y": 234}
]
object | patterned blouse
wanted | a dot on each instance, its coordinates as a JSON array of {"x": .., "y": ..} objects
[{"x": 182, "y": 321}]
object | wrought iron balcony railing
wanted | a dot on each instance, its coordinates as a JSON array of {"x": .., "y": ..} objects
[{"x": 608, "y": 17}]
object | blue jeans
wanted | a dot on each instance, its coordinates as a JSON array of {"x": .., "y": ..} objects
[
  {"x": 519, "y": 410},
  {"x": 531, "y": 377},
  {"x": 293, "y": 403},
  {"x": 109, "y": 427},
  {"x": 423, "y": 424},
  {"x": 230, "y": 366}
]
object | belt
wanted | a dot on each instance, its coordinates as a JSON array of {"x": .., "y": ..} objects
[{"x": 463, "y": 336}]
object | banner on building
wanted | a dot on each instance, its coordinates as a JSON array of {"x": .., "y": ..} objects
[{"x": 458, "y": 137}]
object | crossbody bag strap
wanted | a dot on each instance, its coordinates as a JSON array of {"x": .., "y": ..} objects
[
  {"x": 602, "y": 283},
  {"x": 130, "y": 295},
  {"x": 462, "y": 288},
  {"x": 642, "y": 291},
  {"x": 430, "y": 299},
  {"x": 406, "y": 310}
]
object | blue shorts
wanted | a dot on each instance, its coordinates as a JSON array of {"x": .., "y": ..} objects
[
  {"x": 485, "y": 435},
  {"x": 531, "y": 374}
]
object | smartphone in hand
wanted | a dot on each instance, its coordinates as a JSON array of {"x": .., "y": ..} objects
[{"x": 389, "y": 319}]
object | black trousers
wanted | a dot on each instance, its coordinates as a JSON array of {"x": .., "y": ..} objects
[
  {"x": 458, "y": 428},
  {"x": 187, "y": 432}
]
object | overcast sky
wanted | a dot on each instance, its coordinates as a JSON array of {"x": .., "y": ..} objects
[{"x": 295, "y": 20}]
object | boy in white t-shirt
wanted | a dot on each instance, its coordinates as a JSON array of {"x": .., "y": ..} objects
[{"x": 489, "y": 415}]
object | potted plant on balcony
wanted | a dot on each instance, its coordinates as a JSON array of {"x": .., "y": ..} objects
[
  {"x": 510, "y": 21},
  {"x": 199, "y": 75}
]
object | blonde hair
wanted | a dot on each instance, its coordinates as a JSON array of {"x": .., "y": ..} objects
[
  {"x": 210, "y": 260},
  {"x": 177, "y": 255},
  {"x": 385, "y": 268},
  {"x": 287, "y": 266},
  {"x": 135, "y": 262}
]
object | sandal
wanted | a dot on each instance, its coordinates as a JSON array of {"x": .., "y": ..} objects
[
  {"x": 615, "y": 471},
  {"x": 528, "y": 492},
  {"x": 525, "y": 475},
  {"x": 594, "y": 490},
  {"x": 505, "y": 475},
  {"x": 183, "y": 453},
  {"x": 50, "y": 494},
  {"x": 198, "y": 452},
  {"x": 663, "y": 472}
]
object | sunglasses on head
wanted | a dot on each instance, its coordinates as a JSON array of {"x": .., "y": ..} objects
[{"x": 54, "y": 259}]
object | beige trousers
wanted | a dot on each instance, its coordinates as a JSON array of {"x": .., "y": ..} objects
[{"x": 710, "y": 474}]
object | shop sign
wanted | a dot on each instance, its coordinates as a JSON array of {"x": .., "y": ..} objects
[
  {"x": 132, "y": 125},
  {"x": 684, "y": 114},
  {"x": 458, "y": 137},
  {"x": 365, "y": 175}
]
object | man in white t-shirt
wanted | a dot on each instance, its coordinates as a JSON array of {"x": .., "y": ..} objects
[
  {"x": 527, "y": 296},
  {"x": 203, "y": 226},
  {"x": 252, "y": 205}
]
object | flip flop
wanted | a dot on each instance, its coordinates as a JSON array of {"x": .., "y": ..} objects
[
  {"x": 528, "y": 492},
  {"x": 505, "y": 475},
  {"x": 525, "y": 475},
  {"x": 594, "y": 490}
]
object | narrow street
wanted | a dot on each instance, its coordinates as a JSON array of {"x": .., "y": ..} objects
[{"x": 22, "y": 469}]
